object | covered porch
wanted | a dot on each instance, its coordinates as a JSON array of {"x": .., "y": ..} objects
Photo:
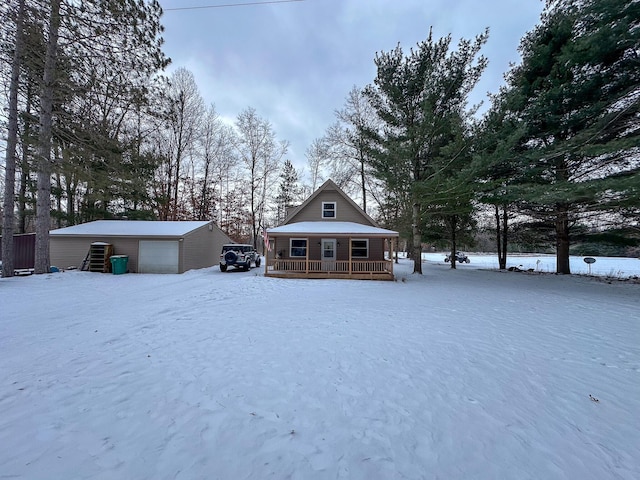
[
  {"x": 355, "y": 270},
  {"x": 330, "y": 250}
]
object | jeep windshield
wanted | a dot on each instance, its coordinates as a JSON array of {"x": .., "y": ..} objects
[{"x": 237, "y": 248}]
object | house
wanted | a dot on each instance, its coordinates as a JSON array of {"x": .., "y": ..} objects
[
  {"x": 151, "y": 246},
  {"x": 330, "y": 236}
]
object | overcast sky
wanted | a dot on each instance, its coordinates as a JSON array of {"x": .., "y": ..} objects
[{"x": 296, "y": 62}]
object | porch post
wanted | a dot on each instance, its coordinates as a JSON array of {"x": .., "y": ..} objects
[
  {"x": 350, "y": 257},
  {"x": 266, "y": 258},
  {"x": 306, "y": 260},
  {"x": 391, "y": 254}
]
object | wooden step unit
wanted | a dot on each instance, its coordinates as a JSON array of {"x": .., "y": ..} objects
[{"x": 99, "y": 255}]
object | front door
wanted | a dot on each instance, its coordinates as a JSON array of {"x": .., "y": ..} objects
[{"x": 328, "y": 254}]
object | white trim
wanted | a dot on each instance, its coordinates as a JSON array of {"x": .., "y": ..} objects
[
  {"x": 334, "y": 243},
  {"x": 334, "y": 210},
  {"x": 306, "y": 247},
  {"x": 366, "y": 240}
]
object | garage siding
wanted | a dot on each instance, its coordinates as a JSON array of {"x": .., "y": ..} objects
[
  {"x": 68, "y": 252},
  {"x": 199, "y": 248},
  {"x": 202, "y": 248}
]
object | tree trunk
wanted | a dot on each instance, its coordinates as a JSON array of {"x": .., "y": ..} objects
[
  {"x": 58, "y": 196},
  {"x": 505, "y": 236},
  {"x": 501, "y": 235},
  {"x": 498, "y": 235},
  {"x": 396, "y": 252},
  {"x": 173, "y": 201},
  {"x": 417, "y": 240},
  {"x": 70, "y": 190},
  {"x": 363, "y": 183},
  {"x": 43, "y": 207},
  {"x": 8, "y": 204},
  {"x": 562, "y": 239},
  {"x": 454, "y": 241}
]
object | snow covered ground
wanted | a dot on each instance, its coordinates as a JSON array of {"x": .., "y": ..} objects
[
  {"x": 207, "y": 375},
  {"x": 604, "y": 266}
]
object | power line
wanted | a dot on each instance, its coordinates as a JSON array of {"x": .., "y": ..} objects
[{"x": 232, "y": 5}]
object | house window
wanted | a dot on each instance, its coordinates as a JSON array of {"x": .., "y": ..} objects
[
  {"x": 360, "y": 248},
  {"x": 298, "y": 247},
  {"x": 328, "y": 209}
]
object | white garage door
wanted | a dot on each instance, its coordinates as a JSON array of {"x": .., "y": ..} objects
[{"x": 158, "y": 256}]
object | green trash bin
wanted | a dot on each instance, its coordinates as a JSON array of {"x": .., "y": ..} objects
[{"x": 119, "y": 264}]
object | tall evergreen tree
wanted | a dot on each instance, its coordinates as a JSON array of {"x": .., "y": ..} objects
[
  {"x": 498, "y": 144},
  {"x": 419, "y": 99},
  {"x": 289, "y": 191},
  {"x": 43, "y": 206},
  {"x": 579, "y": 96},
  {"x": 80, "y": 46},
  {"x": 449, "y": 192},
  {"x": 11, "y": 148}
]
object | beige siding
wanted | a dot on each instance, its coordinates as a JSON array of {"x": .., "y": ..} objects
[
  {"x": 345, "y": 212},
  {"x": 127, "y": 246},
  {"x": 281, "y": 244},
  {"x": 71, "y": 251},
  {"x": 199, "y": 248},
  {"x": 219, "y": 239},
  {"x": 376, "y": 248},
  {"x": 202, "y": 247}
]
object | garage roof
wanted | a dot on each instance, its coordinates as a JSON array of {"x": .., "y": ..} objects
[{"x": 130, "y": 228}]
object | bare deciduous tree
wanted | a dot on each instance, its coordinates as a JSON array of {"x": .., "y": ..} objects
[
  {"x": 182, "y": 125},
  {"x": 349, "y": 147},
  {"x": 317, "y": 158},
  {"x": 261, "y": 155}
]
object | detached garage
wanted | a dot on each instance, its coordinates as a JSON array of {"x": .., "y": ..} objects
[{"x": 152, "y": 247}]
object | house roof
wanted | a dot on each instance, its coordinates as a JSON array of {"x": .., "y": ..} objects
[
  {"x": 329, "y": 185},
  {"x": 130, "y": 228},
  {"x": 331, "y": 228}
]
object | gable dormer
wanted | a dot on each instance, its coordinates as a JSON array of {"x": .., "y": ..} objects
[{"x": 329, "y": 204}]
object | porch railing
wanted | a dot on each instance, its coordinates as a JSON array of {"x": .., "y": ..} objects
[{"x": 328, "y": 267}]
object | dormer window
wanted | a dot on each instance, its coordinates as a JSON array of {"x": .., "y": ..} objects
[{"x": 328, "y": 209}]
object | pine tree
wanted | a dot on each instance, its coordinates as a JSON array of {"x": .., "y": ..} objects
[
  {"x": 498, "y": 144},
  {"x": 420, "y": 99},
  {"x": 12, "y": 141},
  {"x": 289, "y": 191},
  {"x": 578, "y": 95}
]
